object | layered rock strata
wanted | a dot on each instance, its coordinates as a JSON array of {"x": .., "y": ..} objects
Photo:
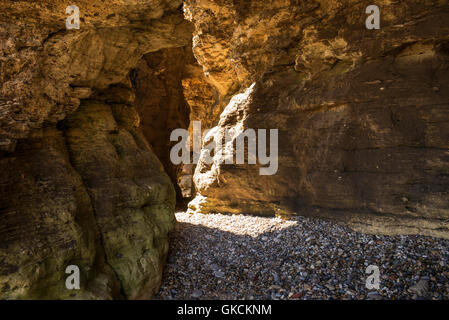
[
  {"x": 79, "y": 183},
  {"x": 362, "y": 114}
]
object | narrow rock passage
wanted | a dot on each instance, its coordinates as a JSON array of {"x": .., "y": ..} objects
[{"x": 247, "y": 257}]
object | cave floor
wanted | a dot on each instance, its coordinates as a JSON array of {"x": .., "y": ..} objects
[{"x": 221, "y": 256}]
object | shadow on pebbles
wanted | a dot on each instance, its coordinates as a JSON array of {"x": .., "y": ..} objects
[{"x": 221, "y": 256}]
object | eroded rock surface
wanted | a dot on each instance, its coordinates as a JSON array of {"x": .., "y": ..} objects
[
  {"x": 79, "y": 184},
  {"x": 362, "y": 114}
]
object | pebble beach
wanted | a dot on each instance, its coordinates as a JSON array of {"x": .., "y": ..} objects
[{"x": 221, "y": 256}]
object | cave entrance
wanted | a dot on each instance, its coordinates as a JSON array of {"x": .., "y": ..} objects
[{"x": 161, "y": 82}]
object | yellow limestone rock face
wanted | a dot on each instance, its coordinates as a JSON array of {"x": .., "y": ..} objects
[
  {"x": 46, "y": 69},
  {"x": 362, "y": 114}
]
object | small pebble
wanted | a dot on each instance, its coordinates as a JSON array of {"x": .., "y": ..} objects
[{"x": 197, "y": 294}]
